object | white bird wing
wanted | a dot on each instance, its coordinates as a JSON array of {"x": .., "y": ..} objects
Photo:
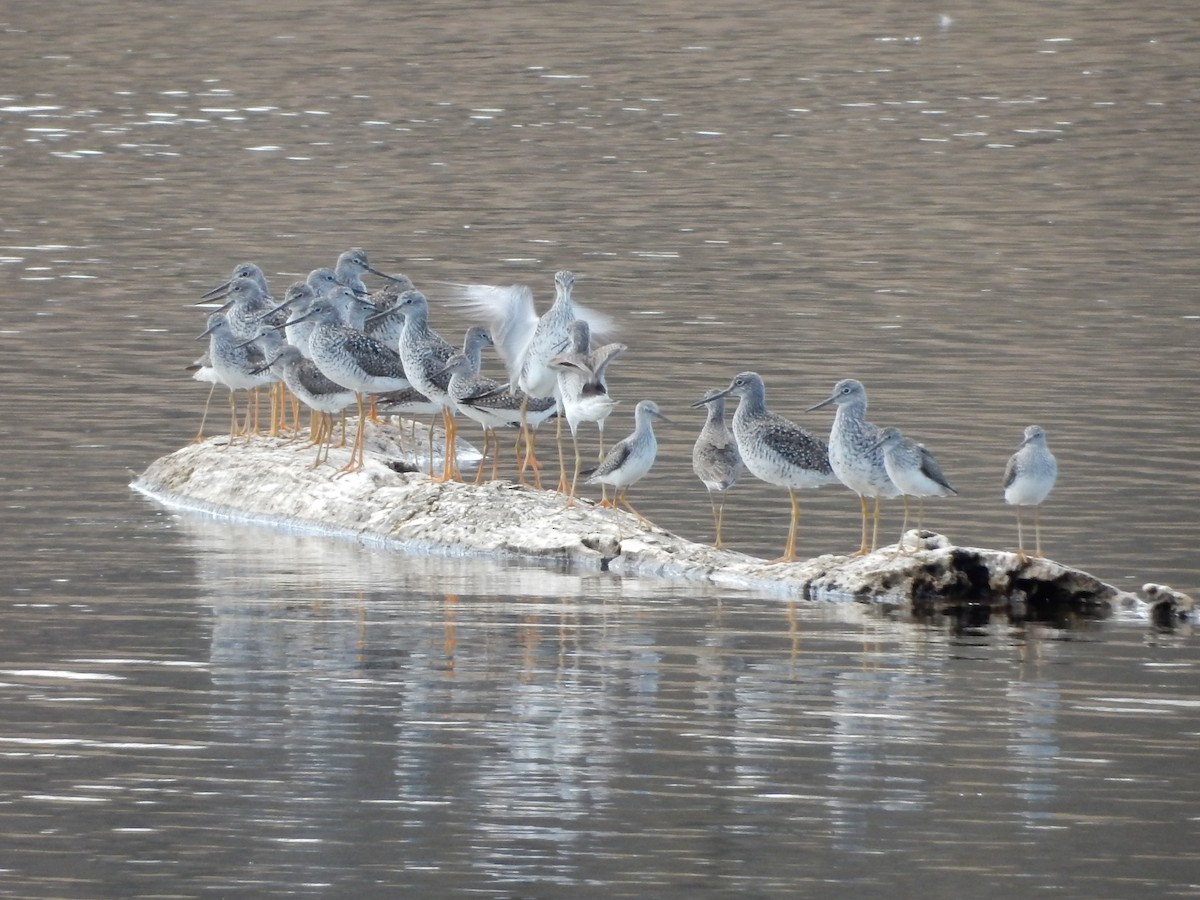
[
  {"x": 601, "y": 325},
  {"x": 602, "y": 356},
  {"x": 509, "y": 313}
]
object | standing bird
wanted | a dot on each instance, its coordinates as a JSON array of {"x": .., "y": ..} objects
[
  {"x": 352, "y": 265},
  {"x": 1028, "y": 479},
  {"x": 855, "y": 454},
  {"x": 424, "y": 353},
  {"x": 383, "y": 327},
  {"x": 241, "y": 270},
  {"x": 526, "y": 342},
  {"x": 316, "y": 390},
  {"x": 631, "y": 458},
  {"x": 355, "y": 361},
  {"x": 715, "y": 458},
  {"x": 487, "y": 401},
  {"x": 583, "y": 386},
  {"x": 237, "y": 365},
  {"x": 913, "y": 470},
  {"x": 324, "y": 281},
  {"x": 775, "y": 449}
]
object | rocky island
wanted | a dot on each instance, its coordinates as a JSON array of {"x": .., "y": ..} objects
[{"x": 390, "y": 502}]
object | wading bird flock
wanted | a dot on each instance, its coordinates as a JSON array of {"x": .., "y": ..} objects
[{"x": 331, "y": 343}]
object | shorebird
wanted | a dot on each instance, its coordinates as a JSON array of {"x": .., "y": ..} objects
[
  {"x": 297, "y": 300},
  {"x": 583, "y": 387},
  {"x": 241, "y": 270},
  {"x": 485, "y": 400},
  {"x": 352, "y": 265},
  {"x": 235, "y": 363},
  {"x": 249, "y": 309},
  {"x": 316, "y": 391},
  {"x": 854, "y": 454},
  {"x": 1028, "y": 480},
  {"x": 715, "y": 458},
  {"x": 350, "y": 358},
  {"x": 526, "y": 342},
  {"x": 323, "y": 281},
  {"x": 202, "y": 370},
  {"x": 774, "y": 449},
  {"x": 913, "y": 470},
  {"x": 424, "y": 353},
  {"x": 631, "y": 458},
  {"x": 384, "y": 327}
]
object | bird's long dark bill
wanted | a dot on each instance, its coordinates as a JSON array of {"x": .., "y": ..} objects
[
  {"x": 218, "y": 291},
  {"x": 824, "y": 402},
  {"x": 711, "y": 398}
]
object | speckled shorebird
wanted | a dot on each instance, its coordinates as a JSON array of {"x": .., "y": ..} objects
[
  {"x": 715, "y": 458},
  {"x": 250, "y": 311},
  {"x": 1028, "y": 480},
  {"x": 424, "y": 353},
  {"x": 296, "y": 301},
  {"x": 583, "y": 387},
  {"x": 486, "y": 400},
  {"x": 352, "y": 265},
  {"x": 774, "y": 449},
  {"x": 241, "y": 270},
  {"x": 353, "y": 360},
  {"x": 324, "y": 282},
  {"x": 914, "y": 471},
  {"x": 236, "y": 363},
  {"x": 631, "y": 458},
  {"x": 315, "y": 390},
  {"x": 854, "y": 454},
  {"x": 526, "y": 342},
  {"x": 383, "y": 327}
]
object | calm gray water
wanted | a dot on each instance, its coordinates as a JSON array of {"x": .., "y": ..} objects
[{"x": 989, "y": 216}]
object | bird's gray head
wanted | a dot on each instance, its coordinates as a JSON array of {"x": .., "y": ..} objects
[
  {"x": 323, "y": 280},
  {"x": 410, "y": 302},
  {"x": 241, "y": 270},
  {"x": 845, "y": 392},
  {"x": 244, "y": 289},
  {"x": 322, "y": 310},
  {"x": 887, "y": 437},
  {"x": 288, "y": 354},
  {"x": 579, "y": 336},
  {"x": 248, "y": 270},
  {"x": 1034, "y": 434},
  {"x": 743, "y": 384},
  {"x": 476, "y": 338},
  {"x": 456, "y": 364},
  {"x": 298, "y": 293},
  {"x": 216, "y": 321},
  {"x": 648, "y": 409},
  {"x": 354, "y": 259},
  {"x": 564, "y": 280}
]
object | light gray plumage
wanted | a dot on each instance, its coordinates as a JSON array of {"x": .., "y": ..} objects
[
  {"x": 774, "y": 449},
  {"x": 241, "y": 270},
  {"x": 314, "y": 389},
  {"x": 527, "y": 342},
  {"x": 715, "y": 458},
  {"x": 913, "y": 469},
  {"x": 583, "y": 385},
  {"x": 855, "y": 454},
  {"x": 630, "y": 459},
  {"x": 1028, "y": 479},
  {"x": 353, "y": 360}
]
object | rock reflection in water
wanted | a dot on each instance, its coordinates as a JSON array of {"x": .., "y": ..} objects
[{"x": 539, "y": 727}]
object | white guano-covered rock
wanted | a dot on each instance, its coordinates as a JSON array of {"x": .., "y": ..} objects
[{"x": 392, "y": 502}]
